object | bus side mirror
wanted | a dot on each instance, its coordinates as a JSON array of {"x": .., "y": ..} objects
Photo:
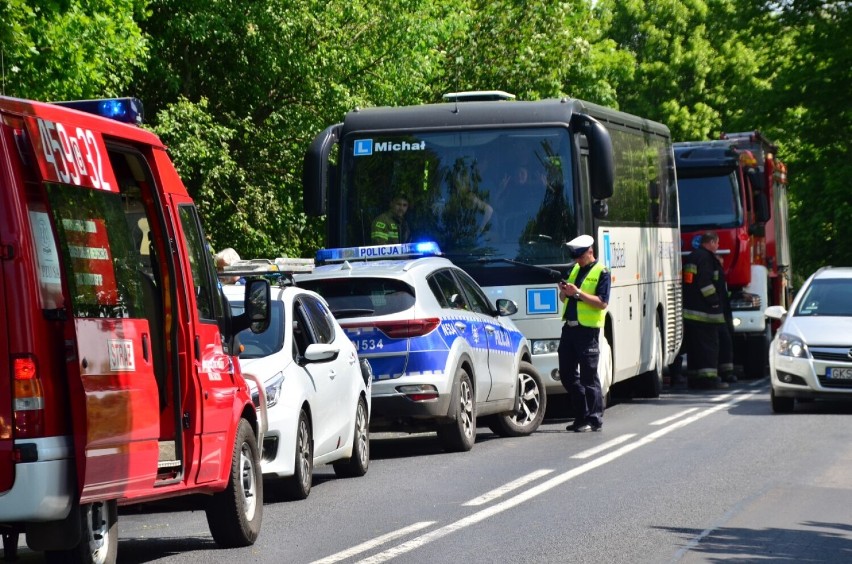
[
  {"x": 315, "y": 172},
  {"x": 601, "y": 174}
]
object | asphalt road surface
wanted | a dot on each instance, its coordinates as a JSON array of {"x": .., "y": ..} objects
[{"x": 694, "y": 476}]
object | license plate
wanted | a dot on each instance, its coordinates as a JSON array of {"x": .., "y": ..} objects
[{"x": 839, "y": 373}]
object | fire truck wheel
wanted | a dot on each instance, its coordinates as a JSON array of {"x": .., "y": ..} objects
[
  {"x": 357, "y": 464},
  {"x": 98, "y": 540},
  {"x": 298, "y": 486},
  {"x": 532, "y": 403},
  {"x": 234, "y": 515}
]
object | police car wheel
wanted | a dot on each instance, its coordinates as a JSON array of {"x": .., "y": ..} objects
[
  {"x": 357, "y": 464},
  {"x": 532, "y": 403},
  {"x": 298, "y": 486},
  {"x": 459, "y": 434}
]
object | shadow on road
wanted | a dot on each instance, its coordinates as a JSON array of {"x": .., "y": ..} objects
[{"x": 813, "y": 542}]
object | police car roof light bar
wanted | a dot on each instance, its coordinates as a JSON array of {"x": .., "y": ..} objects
[
  {"x": 378, "y": 252},
  {"x": 125, "y": 110},
  {"x": 283, "y": 266}
]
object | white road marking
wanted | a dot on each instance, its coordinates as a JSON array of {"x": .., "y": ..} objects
[
  {"x": 503, "y": 490},
  {"x": 673, "y": 417},
  {"x": 527, "y": 495},
  {"x": 378, "y": 541},
  {"x": 606, "y": 446}
]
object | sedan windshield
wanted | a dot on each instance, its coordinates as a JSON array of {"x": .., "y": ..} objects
[{"x": 831, "y": 297}]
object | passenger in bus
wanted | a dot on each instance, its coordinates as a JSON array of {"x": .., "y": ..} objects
[
  {"x": 703, "y": 313},
  {"x": 390, "y": 227},
  {"x": 585, "y": 295}
]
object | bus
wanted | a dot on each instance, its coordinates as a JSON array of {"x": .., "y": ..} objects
[{"x": 501, "y": 186}]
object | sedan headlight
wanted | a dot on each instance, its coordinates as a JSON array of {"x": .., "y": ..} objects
[
  {"x": 273, "y": 390},
  {"x": 544, "y": 346},
  {"x": 788, "y": 345}
]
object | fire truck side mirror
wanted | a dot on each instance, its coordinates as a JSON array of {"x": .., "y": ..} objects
[
  {"x": 257, "y": 306},
  {"x": 761, "y": 207}
]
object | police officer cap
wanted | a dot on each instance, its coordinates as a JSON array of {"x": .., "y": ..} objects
[{"x": 580, "y": 245}]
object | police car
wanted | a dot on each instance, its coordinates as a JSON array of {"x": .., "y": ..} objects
[
  {"x": 317, "y": 392},
  {"x": 443, "y": 356}
]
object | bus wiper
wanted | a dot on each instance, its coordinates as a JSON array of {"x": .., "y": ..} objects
[{"x": 550, "y": 271}]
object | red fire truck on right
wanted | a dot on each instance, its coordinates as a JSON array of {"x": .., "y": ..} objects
[{"x": 737, "y": 187}]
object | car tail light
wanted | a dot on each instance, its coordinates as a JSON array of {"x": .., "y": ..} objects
[
  {"x": 27, "y": 397},
  {"x": 401, "y": 329}
]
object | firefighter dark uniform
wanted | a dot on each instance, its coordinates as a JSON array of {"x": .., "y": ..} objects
[
  {"x": 388, "y": 230},
  {"x": 579, "y": 345},
  {"x": 703, "y": 316}
]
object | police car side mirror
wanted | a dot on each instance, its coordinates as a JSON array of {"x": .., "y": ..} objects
[{"x": 506, "y": 307}]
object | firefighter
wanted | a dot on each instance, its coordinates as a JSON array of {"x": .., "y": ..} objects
[
  {"x": 585, "y": 294},
  {"x": 390, "y": 227},
  {"x": 703, "y": 313}
]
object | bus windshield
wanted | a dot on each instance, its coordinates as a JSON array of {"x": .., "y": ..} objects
[
  {"x": 494, "y": 193},
  {"x": 709, "y": 202}
]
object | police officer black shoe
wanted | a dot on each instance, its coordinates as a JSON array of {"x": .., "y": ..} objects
[
  {"x": 597, "y": 428},
  {"x": 729, "y": 378},
  {"x": 574, "y": 426},
  {"x": 584, "y": 428}
]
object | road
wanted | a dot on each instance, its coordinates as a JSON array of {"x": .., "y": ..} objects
[{"x": 694, "y": 476}]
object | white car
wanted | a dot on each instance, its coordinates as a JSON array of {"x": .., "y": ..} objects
[
  {"x": 441, "y": 353},
  {"x": 317, "y": 391},
  {"x": 811, "y": 355}
]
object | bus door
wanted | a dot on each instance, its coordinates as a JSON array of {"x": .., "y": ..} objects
[
  {"x": 112, "y": 384},
  {"x": 212, "y": 369}
]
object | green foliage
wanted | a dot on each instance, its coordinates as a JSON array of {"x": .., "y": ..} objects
[
  {"x": 72, "y": 49},
  {"x": 238, "y": 89}
]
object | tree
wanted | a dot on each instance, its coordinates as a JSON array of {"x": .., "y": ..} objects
[{"x": 72, "y": 49}]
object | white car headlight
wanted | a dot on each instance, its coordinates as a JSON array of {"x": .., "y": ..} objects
[
  {"x": 273, "y": 390},
  {"x": 788, "y": 345}
]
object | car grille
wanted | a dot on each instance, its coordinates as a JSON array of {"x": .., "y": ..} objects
[{"x": 831, "y": 354}]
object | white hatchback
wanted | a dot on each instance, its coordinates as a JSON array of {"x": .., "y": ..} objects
[
  {"x": 811, "y": 355},
  {"x": 317, "y": 391}
]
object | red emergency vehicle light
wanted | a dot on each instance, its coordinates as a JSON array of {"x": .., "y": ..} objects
[{"x": 27, "y": 397}]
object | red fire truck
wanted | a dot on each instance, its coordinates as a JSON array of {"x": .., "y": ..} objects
[
  {"x": 737, "y": 187},
  {"x": 118, "y": 384}
]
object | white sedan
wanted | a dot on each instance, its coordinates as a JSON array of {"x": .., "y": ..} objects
[
  {"x": 811, "y": 355},
  {"x": 317, "y": 391}
]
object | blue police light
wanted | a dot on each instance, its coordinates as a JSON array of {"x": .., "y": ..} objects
[
  {"x": 125, "y": 110},
  {"x": 404, "y": 250}
]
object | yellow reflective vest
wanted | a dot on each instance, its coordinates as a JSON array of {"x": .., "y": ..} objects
[{"x": 587, "y": 315}]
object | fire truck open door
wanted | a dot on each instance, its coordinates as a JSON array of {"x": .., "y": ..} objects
[{"x": 111, "y": 382}]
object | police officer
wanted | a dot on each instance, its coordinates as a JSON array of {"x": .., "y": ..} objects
[
  {"x": 585, "y": 295},
  {"x": 390, "y": 227},
  {"x": 703, "y": 313}
]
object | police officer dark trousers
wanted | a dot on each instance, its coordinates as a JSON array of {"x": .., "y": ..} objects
[{"x": 585, "y": 294}]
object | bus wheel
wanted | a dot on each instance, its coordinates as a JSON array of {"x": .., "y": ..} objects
[
  {"x": 532, "y": 403},
  {"x": 98, "y": 540},
  {"x": 234, "y": 515},
  {"x": 650, "y": 384}
]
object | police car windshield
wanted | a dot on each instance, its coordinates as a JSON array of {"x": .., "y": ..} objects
[
  {"x": 258, "y": 345},
  {"x": 362, "y": 297},
  {"x": 498, "y": 192}
]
